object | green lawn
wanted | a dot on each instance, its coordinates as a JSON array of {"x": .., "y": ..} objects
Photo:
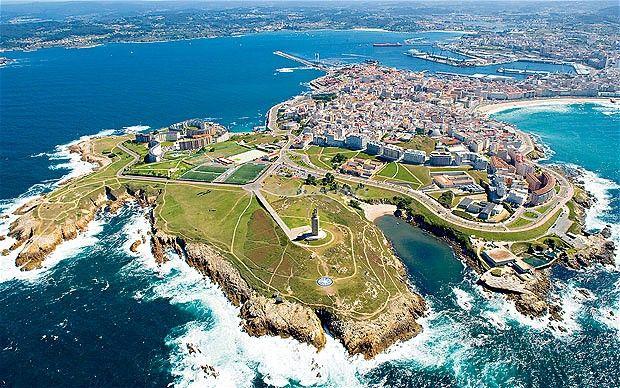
[
  {"x": 519, "y": 222},
  {"x": 196, "y": 175},
  {"x": 419, "y": 142},
  {"x": 397, "y": 172},
  {"x": 246, "y": 173},
  {"x": 139, "y": 148},
  {"x": 322, "y": 156}
]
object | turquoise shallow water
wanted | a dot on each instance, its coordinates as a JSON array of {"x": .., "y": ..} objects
[
  {"x": 585, "y": 135},
  {"x": 104, "y": 316}
]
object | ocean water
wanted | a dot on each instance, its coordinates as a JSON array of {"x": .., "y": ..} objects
[
  {"x": 585, "y": 136},
  {"x": 97, "y": 315}
]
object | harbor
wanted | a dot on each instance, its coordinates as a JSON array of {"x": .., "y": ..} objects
[
  {"x": 508, "y": 70},
  {"x": 443, "y": 59}
]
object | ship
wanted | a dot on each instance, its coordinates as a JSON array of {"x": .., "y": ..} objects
[{"x": 387, "y": 44}]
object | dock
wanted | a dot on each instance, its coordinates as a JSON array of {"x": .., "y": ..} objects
[
  {"x": 313, "y": 64},
  {"x": 443, "y": 59},
  {"x": 508, "y": 70}
]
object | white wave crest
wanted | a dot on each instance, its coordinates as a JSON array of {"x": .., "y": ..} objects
[
  {"x": 292, "y": 69},
  {"x": 608, "y": 109},
  {"x": 135, "y": 128},
  {"x": 600, "y": 188},
  {"x": 609, "y": 314},
  {"x": 67, "y": 249},
  {"x": 463, "y": 298}
]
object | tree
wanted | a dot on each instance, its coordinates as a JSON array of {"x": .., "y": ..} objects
[
  {"x": 328, "y": 179},
  {"x": 355, "y": 204},
  {"x": 338, "y": 158},
  {"x": 446, "y": 198},
  {"x": 402, "y": 203},
  {"x": 311, "y": 180}
]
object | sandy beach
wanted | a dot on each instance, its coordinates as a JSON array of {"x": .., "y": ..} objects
[
  {"x": 489, "y": 109},
  {"x": 372, "y": 212}
]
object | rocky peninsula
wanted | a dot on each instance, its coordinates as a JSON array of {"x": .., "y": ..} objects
[{"x": 44, "y": 223}]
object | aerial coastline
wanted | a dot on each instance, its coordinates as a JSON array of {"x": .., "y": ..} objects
[
  {"x": 135, "y": 176},
  {"x": 495, "y": 107},
  {"x": 332, "y": 212}
]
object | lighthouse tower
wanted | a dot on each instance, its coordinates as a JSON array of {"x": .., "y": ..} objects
[{"x": 315, "y": 222}]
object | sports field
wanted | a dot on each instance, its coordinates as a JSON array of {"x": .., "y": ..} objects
[
  {"x": 204, "y": 173},
  {"x": 246, "y": 174}
]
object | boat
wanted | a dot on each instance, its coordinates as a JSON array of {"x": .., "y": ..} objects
[{"x": 387, "y": 44}]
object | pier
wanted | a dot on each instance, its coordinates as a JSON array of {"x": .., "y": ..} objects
[
  {"x": 443, "y": 59},
  {"x": 313, "y": 64},
  {"x": 507, "y": 70}
]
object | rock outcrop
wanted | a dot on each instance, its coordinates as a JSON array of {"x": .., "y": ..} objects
[
  {"x": 211, "y": 264},
  {"x": 534, "y": 302},
  {"x": 599, "y": 250},
  {"x": 266, "y": 316},
  {"x": 261, "y": 315},
  {"x": 87, "y": 154},
  {"x": 39, "y": 238},
  {"x": 372, "y": 336}
]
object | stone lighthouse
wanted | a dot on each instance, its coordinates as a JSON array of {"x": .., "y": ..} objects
[{"x": 314, "y": 222}]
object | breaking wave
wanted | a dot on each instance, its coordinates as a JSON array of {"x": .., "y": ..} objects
[
  {"x": 135, "y": 128},
  {"x": 67, "y": 249},
  {"x": 598, "y": 216}
]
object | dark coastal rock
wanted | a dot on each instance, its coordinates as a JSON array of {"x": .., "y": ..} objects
[
  {"x": 262, "y": 316},
  {"x": 372, "y": 336},
  {"x": 600, "y": 250},
  {"x": 134, "y": 246},
  {"x": 210, "y": 263}
]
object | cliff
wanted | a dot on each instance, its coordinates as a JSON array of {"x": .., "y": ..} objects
[
  {"x": 370, "y": 337},
  {"x": 61, "y": 215}
]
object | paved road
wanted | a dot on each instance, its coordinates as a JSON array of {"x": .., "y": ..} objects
[
  {"x": 432, "y": 205},
  {"x": 559, "y": 200}
]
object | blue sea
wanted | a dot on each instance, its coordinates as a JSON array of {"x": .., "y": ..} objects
[{"x": 98, "y": 314}]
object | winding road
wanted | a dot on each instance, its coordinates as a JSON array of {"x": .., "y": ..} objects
[{"x": 559, "y": 200}]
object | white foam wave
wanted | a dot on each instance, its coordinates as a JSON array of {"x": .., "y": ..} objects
[
  {"x": 600, "y": 188},
  {"x": 608, "y": 109},
  {"x": 292, "y": 69},
  {"x": 73, "y": 162},
  {"x": 463, "y": 298},
  {"x": 67, "y": 249},
  {"x": 137, "y": 228},
  {"x": 543, "y": 107},
  {"x": 609, "y": 314},
  {"x": 370, "y": 29},
  {"x": 500, "y": 313},
  {"x": 572, "y": 302},
  {"x": 135, "y": 128}
]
